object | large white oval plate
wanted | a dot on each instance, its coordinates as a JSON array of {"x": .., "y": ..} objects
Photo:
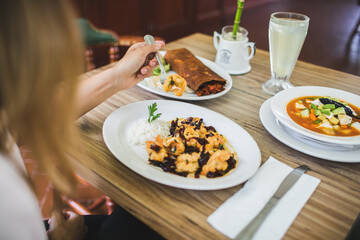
[
  {"x": 191, "y": 96},
  {"x": 280, "y": 101},
  {"x": 118, "y": 123}
]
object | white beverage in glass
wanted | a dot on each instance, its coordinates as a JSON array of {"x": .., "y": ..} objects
[{"x": 287, "y": 32}]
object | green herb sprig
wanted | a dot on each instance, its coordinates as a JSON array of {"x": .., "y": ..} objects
[{"x": 152, "y": 109}]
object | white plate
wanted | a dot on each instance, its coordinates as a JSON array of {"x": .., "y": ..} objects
[
  {"x": 118, "y": 123},
  {"x": 191, "y": 96},
  {"x": 271, "y": 125},
  {"x": 280, "y": 101}
]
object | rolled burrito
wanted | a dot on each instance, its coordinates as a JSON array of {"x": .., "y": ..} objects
[{"x": 198, "y": 76}]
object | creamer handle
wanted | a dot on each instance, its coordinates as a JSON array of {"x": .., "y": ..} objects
[
  {"x": 216, "y": 39},
  {"x": 252, "y": 51}
]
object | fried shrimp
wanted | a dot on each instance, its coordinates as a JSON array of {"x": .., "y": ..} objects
[
  {"x": 194, "y": 143},
  {"x": 190, "y": 132},
  {"x": 202, "y": 131},
  {"x": 187, "y": 162},
  {"x": 215, "y": 141},
  {"x": 193, "y": 150},
  {"x": 174, "y": 145},
  {"x": 217, "y": 162},
  {"x": 156, "y": 153},
  {"x": 176, "y": 84}
]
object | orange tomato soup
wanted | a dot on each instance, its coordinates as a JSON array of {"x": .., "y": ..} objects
[{"x": 313, "y": 124}]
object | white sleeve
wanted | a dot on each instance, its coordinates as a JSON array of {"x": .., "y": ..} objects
[{"x": 20, "y": 216}]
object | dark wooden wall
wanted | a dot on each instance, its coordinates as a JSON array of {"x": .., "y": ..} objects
[
  {"x": 170, "y": 19},
  {"x": 331, "y": 41}
]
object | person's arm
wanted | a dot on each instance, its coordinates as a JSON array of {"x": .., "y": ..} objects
[{"x": 125, "y": 74}]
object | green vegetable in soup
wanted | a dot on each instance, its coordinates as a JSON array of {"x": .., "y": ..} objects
[
  {"x": 326, "y": 111},
  {"x": 338, "y": 111},
  {"x": 329, "y": 106}
]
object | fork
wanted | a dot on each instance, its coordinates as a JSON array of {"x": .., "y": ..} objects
[{"x": 150, "y": 40}]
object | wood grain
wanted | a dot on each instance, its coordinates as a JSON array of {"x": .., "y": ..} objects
[{"x": 181, "y": 214}]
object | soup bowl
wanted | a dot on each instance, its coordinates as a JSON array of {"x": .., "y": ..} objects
[{"x": 279, "y": 109}]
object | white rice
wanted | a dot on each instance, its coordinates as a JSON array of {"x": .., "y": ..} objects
[{"x": 143, "y": 131}]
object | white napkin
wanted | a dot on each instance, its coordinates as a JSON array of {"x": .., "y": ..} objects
[{"x": 236, "y": 212}]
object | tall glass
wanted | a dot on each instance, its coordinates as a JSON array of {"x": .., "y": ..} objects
[{"x": 287, "y": 32}]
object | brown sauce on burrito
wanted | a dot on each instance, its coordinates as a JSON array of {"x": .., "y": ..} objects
[{"x": 198, "y": 76}]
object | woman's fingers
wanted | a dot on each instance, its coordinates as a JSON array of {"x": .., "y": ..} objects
[
  {"x": 72, "y": 215},
  {"x": 146, "y": 71},
  {"x": 57, "y": 217},
  {"x": 150, "y": 62},
  {"x": 160, "y": 44},
  {"x": 77, "y": 220},
  {"x": 153, "y": 62},
  {"x": 137, "y": 45},
  {"x": 138, "y": 63}
]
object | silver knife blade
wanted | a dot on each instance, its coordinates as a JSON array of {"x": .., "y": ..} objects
[
  {"x": 290, "y": 180},
  {"x": 249, "y": 231}
]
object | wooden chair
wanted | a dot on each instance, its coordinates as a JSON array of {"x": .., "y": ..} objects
[
  {"x": 356, "y": 27},
  {"x": 97, "y": 40},
  {"x": 89, "y": 210},
  {"x": 96, "y": 203}
]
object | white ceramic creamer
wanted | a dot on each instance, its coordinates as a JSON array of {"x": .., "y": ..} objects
[{"x": 233, "y": 54}]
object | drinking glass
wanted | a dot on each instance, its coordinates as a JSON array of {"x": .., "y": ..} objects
[{"x": 287, "y": 32}]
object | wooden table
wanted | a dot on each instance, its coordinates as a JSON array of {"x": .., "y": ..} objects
[{"x": 181, "y": 214}]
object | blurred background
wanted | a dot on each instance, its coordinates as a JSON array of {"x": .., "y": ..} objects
[{"x": 333, "y": 38}]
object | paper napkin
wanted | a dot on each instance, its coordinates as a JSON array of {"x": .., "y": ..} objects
[{"x": 236, "y": 212}]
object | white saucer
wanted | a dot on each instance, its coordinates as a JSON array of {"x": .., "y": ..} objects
[
  {"x": 271, "y": 125},
  {"x": 317, "y": 143},
  {"x": 241, "y": 72}
]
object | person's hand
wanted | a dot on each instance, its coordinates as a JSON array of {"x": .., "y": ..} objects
[
  {"x": 66, "y": 225},
  {"x": 135, "y": 65}
]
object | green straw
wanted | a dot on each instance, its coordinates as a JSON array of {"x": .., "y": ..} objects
[{"x": 240, "y": 4}]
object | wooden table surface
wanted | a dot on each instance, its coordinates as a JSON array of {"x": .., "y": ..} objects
[{"x": 181, "y": 214}]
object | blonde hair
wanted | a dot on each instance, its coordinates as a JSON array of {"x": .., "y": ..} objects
[{"x": 40, "y": 61}]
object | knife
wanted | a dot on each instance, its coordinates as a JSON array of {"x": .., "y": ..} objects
[{"x": 249, "y": 231}]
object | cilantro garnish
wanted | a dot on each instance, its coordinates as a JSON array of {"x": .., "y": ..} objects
[{"x": 152, "y": 109}]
